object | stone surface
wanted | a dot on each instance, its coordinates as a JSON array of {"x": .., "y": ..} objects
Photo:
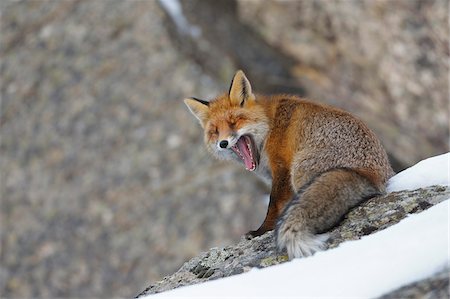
[
  {"x": 387, "y": 61},
  {"x": 105, "y": 184},
  {"x": 435, "y": 287},
  {"x": 373, "y": 215}
]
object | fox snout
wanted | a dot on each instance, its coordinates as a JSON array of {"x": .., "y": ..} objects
[
  {"x": 226, "y": 138},
  {"x": 226, "y": 142}
]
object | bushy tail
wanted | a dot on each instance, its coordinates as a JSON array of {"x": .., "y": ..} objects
[{"x": 317, "y": 207}]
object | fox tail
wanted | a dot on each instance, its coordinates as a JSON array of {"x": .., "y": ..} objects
[{"x": 318, "y": 206}]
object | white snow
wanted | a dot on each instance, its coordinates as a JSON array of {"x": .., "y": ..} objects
[
  {"x": 414, "y": 249},
  {"x": 173, "y": 8},
  {"x": 411, "y": 250},
  {"x": 428, "y": 172}
]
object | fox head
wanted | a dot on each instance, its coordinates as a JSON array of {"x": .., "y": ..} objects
[{"x": 235, "y": 124}]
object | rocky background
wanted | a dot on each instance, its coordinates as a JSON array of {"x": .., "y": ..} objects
[{"x": 105, "y": 185}]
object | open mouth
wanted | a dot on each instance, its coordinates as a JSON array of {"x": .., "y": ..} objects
[{"x": 245, "y": 149}]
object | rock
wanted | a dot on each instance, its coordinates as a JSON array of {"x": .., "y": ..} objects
[
  {"x": 378, "y": 59},
  {"x": 434, "y": 287},
  {"x": 371, "y": 216},
  {"x": 91, "y": 107}
]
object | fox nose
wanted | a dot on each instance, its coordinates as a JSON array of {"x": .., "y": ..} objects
[{"x": 223, "y": 143}]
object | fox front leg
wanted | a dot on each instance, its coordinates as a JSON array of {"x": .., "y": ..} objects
[{"x": 280, "y": 195}]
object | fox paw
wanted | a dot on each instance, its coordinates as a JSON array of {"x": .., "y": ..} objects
[
  {"x": 250, "y": 235},
  {"x": 255, "y": 233}
]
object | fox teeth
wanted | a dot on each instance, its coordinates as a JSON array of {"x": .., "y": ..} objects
[
  {"x": 248, "y": 145},
  {"x": 238, "y": 151},
  {"x": 249, "y": 150}
]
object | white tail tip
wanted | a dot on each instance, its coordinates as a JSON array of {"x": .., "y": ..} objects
[{"x": 300, "y": 244}]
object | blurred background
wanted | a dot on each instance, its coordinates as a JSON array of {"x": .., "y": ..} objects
[{"x": 105, "y": 185}]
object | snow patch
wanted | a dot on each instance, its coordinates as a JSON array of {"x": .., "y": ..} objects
[
  {"x": 428, "y": 172},
  {"x": 173, "y": 8}
]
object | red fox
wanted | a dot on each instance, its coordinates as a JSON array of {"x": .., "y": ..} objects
[{"x": 321, "y": 161}]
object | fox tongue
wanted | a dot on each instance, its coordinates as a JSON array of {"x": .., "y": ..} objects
[{"x": 245, "y": 152}]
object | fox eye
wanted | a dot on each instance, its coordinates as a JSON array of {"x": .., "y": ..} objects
[
  {"x": 240, "y": 117},
  {"x": 236, "y": 120},
  {"x": 213, "y": 131}
]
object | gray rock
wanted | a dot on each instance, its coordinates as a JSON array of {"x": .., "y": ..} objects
[
  {"x": 434, "y": 287},
  {"x": 386, "y": 61},
  {"x": 373, "y": 215},
  {"x": 100, "y": 159}
]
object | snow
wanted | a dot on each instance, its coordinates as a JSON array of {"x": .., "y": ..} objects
[
  {"x": 412, "y": 250},
  {"x": 174, "y": 10},
  {"x": 428, "y": 172}
]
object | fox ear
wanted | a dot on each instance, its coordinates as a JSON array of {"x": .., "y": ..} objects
[
  {"x": 240, "y": 90},
  {"x": 199, "y": 108}
]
